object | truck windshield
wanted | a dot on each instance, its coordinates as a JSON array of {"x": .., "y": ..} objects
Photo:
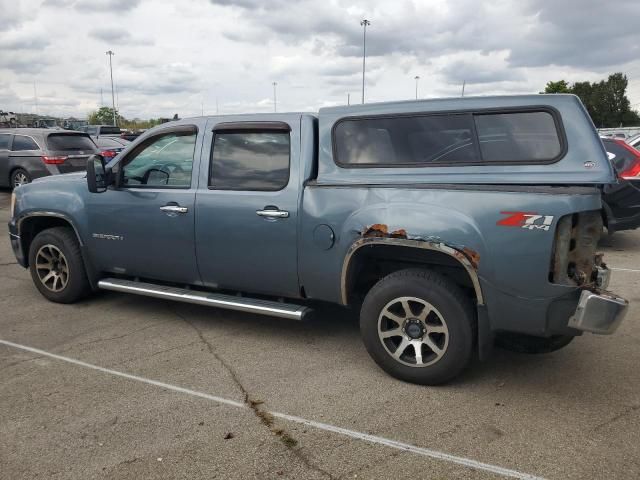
[{"x": 65, "y": 141}]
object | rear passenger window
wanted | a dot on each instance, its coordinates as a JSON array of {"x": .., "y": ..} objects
[
  {"x": 4, "y": 142},
  {"x": 518, "y": 137},
  {"x": 21, "y": 142},
  {"x": 447, "y": 139},
  {"x": 250, "y": 161}
]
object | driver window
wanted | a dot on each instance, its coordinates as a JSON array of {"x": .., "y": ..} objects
[{"x": 165, "y": 162}]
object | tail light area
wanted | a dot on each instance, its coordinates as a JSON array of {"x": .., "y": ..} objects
[
  {"x": 574, "y": 260},
  {"x": 54, "y": 160},
  {"x": 632, "y": 170},
  {"x": 109, "y": 154}
]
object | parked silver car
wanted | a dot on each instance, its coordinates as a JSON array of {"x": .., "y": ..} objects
[
  {"x": 634, "y": 141},
  {"x": 29, "y": 153}
]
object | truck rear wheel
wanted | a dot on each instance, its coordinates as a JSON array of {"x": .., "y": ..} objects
[
  {"x": 418, "y": 326},
  {"x": 56, "y": 266}
]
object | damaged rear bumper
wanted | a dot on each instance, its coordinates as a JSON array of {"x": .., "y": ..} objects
[{"x": 599, "y": 313}]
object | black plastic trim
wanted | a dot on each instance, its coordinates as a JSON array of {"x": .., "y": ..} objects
[
  {"x": 258, "y": 126},
  {"x": 484, "y": 187}
]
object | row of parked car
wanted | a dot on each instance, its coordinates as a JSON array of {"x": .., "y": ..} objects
[
  {"x": 30, "y": 153},
  {"x": 27, "y": 154}
]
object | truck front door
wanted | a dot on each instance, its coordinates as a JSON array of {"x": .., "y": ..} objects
[
  {"x": 144, "y": 228},
  {"x": 247, "y": 207}
]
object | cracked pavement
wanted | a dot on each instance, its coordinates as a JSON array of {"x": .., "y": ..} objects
[{"x": 572, "y": 414}]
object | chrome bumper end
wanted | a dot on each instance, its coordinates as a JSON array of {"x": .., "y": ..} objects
[{"x": 599, "y": 313}]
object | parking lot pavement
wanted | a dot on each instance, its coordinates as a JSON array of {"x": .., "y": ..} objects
[{"x": 87, "y": 403}]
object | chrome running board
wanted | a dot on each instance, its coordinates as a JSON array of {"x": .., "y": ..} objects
[{"x": 230, "y": 302}]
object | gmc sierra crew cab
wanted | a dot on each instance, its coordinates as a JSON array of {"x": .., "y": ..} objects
[{"x": 447, "y": 224}]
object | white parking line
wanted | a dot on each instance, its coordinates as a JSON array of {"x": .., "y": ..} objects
[
  {"x": 624, "y": 269},
  {"x": 425, "y": 452}
]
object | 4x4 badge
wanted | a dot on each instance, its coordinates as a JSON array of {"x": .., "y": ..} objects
[{"x": 528, "y": 220}]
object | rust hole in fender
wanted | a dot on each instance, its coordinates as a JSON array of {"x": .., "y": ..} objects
[
  {"x": 472, "y": 256},
  {"x": 382, "y": 230}
]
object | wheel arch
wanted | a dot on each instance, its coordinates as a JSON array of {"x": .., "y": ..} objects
[
  {"x": 407, "y": 252},
  {"x": 32, "y": 223}
]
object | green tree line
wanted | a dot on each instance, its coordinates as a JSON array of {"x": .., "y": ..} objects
[
  {"x": 606, "y": 100},
  {"x": 104, "y": 116}
]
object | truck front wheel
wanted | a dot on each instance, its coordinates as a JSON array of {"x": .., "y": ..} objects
[
  {"x": 418, "y": 326},
  {"x": 56, "y": 266}
]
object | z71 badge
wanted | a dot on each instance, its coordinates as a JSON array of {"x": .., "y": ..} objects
[{"x": 528, "y": 220}]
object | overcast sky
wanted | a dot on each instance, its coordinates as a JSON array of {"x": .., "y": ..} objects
[{"x": 182, "y": 56}]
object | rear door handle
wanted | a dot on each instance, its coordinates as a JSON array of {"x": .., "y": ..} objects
[
  {"x": 272, "y": 213},
  {"x": 174, "y": 209}
]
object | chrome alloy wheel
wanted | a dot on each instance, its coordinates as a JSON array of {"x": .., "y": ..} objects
[
  {"x": 20, "y": 178},
  {"x": 52, "y": 268},
  {"x": 413, "y": 332}
]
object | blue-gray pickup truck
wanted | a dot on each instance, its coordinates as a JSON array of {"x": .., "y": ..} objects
[{"x": 448, "y": 224}]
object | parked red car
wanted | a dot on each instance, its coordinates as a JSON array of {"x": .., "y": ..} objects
[{"x": 621, "y": 201}]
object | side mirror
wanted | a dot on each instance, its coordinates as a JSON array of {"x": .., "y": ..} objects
[{"x": 97, "y": 174}]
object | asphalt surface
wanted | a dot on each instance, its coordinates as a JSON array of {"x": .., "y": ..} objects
[{"x": 573, "y": 414}]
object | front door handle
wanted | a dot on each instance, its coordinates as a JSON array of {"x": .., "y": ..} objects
[
  {"x": 272, "y": 213},
  {"x": 174, "y": 209}
]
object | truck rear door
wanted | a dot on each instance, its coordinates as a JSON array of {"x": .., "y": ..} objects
[{"x": 247, "y": 205}]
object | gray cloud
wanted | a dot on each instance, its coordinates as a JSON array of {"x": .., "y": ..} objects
[
  {"x": 24, "y": 62},
  {"x": 94, "y": 5},
  {"x": 24, "y": 43},
  {"x": 13, "y": 15},
  {"x": 118, "y": 36},
  {"x": 58, "y": 3},
  {"x": 227, "y": 52},
  {"x": 578, "y": 33},
  {"x": 574, "y": 33},
  {"x": 249, "y": 4},
  {"x": 164, "y": 79},
  {"x": 479, "y": 71},
  {"x": 106, "y": 5}
]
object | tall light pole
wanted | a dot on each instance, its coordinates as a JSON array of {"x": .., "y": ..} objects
[
  {"x": 275, "y": 104},
  {"x": 364, "y": 23},
  {"x": 35, "y": 96},
  {"x": 417, "y": 78},
  {"x": 113, "y": 96},
  {"x": 464, "y": 82},
  {"x": 348, "y": 99}
]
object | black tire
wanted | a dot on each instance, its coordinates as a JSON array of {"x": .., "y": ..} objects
[
  {"x": 453, "y": 312},
  {"x": 520, "y": 343},
  {"x": 19, "y": 173},
  {"x": 46, "y": 243}
]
